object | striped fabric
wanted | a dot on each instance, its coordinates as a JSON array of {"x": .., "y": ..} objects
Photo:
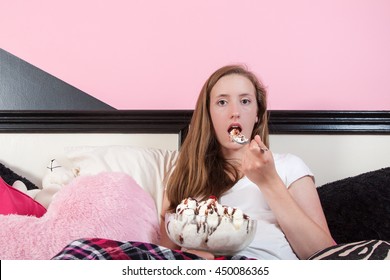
[{"x": 362, "y": 250}]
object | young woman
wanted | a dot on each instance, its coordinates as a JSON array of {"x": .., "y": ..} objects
[{"x": 276, "y": 190}]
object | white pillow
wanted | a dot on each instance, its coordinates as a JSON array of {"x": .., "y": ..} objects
[{"x": 147, "y": 166}]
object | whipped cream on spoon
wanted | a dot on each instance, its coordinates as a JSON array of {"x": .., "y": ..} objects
[{"x": 238, "y": 137}]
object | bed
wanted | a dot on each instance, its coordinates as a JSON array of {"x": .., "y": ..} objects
[{"x": 123, "y": 156}]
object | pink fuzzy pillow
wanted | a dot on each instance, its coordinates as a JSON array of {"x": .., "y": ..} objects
[{"x": 107, "y": 205}]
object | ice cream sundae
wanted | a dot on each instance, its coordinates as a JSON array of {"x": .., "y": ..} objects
[{"x": 208, "y": 225}]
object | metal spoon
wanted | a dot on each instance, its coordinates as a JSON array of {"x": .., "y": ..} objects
[{"x": 241, "y": 139}]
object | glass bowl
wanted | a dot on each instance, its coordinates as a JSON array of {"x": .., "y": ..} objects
[{"x": 225, "y": 236}]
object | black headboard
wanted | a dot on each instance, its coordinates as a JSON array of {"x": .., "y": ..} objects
[{"x": 176, "y": 121}]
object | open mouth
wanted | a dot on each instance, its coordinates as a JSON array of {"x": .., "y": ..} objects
[
  {"x": 234, "y": 130},
  {"x": 236, "y": 135}
]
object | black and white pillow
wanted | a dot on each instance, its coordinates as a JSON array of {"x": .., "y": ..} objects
[
  {"x": 9, "y": 176},
  {"x": 361, "y": 250}
]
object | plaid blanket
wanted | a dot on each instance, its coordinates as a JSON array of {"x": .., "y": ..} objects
[{"x": 106, "y": 249}]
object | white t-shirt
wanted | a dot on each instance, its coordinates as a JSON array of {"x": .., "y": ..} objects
[{"x": 269, "y": 242}]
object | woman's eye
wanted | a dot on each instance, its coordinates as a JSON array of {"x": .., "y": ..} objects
[
  {"x": 245, "y": 101},
  {"x": 222, "y": 102}
]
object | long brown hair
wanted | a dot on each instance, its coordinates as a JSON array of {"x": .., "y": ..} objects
[{"x": 200, "y": 170}]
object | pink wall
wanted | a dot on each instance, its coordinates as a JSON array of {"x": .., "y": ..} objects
[{"x": 325, "y": 54}]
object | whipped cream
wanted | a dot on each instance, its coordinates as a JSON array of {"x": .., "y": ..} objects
[
  {"x": 237, "y": 136},
  {"x": 208, "y": 225}
]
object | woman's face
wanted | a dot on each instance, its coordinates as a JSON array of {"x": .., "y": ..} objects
[{"x": 233, "y": 104}]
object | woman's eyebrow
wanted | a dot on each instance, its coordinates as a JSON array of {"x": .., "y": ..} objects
[
  {"x": 222, "y": 95},
  {"x": 226, "y": 95}
]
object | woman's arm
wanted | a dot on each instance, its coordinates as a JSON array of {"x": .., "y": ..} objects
[
  {"x": 297, "y": 209},
  {"x": 164, "y": 238},
  {"x": 306, "y": 229}
]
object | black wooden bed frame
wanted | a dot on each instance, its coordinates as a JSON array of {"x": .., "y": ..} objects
[{"x": 176, "y": 122}]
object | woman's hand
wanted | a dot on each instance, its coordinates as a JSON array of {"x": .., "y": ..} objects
[{"x": 258, "y": 163}]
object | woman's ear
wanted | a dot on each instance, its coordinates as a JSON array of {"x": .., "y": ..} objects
[{"x": 257, "y": 119}]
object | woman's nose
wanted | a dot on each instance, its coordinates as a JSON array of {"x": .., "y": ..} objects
[
  {"x": 235, "y": 115},
  {"x": 235, "y": 112}
]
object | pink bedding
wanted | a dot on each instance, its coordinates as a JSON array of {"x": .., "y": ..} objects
[{"x": 107, "y": 205}]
